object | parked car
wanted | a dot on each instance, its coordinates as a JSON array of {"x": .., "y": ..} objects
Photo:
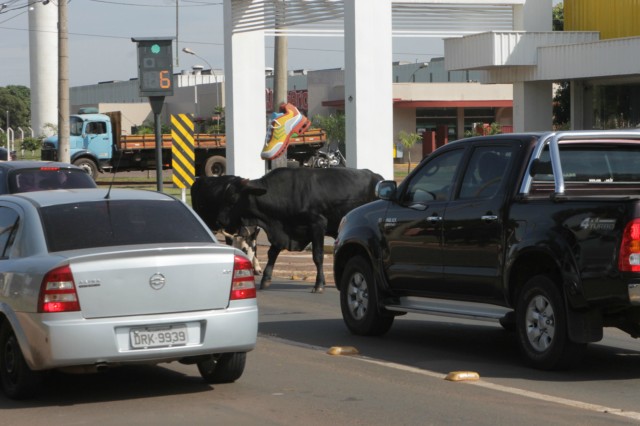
[
  {"x": 540, "y": 231},
  {"x": 26, "y": 176},
  {"x": 4, "y": 154},
  {"x": 96, "y": 278}
]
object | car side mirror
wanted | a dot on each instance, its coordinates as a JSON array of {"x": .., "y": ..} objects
[{"x": 386, "y": 190}]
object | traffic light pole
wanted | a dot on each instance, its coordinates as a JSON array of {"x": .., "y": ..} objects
[
  {"x": 157, "y": 102},
  {"x": 155, "y": 76}
]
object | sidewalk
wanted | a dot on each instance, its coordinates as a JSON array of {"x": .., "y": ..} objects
[{"x": 294, "y": 265}]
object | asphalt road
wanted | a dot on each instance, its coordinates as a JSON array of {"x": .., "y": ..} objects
[{"x": 399, "y": 378}]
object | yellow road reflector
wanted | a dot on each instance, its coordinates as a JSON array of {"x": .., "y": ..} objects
[
  {"x": 460, "y": 376},
  {"x": 342, "y": 350}
]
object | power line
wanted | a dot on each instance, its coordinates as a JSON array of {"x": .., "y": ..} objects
[
  {"x": 118, "y": 3},
  {"x": 206, "y": 43}
]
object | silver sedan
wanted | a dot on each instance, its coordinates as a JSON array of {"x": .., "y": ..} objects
[{"x": 91, "y": 279}]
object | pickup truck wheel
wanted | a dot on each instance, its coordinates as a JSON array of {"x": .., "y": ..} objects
[
  {"x": 359, "y": 300},
  {"x": 88, "y": 166},
  {"x": 541, "y": 323},
  {"x": 225, "y": 368},
  {"x": 18, "y": 380},
  {"x": 215, "y": 166}
]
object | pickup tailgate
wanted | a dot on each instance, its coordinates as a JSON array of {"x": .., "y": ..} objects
[{"x": 153, "y": 281}]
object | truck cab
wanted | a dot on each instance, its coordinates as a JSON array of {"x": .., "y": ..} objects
[{"x": 90, "y": 142}]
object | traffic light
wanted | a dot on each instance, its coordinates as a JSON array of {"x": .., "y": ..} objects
[{"x": 155, "y": 66}]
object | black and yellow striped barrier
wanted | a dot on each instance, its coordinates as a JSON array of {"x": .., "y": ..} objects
[{"x": 183, "y": 156}]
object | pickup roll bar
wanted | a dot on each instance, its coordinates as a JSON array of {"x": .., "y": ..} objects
[{"x": 552, "y": 139}]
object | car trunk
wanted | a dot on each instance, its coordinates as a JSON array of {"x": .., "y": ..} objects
[{"x": 153, "y": 281}]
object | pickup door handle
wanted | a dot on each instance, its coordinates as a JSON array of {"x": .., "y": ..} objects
[
  {"x": 489, "y": 218},
  {"x": 434, "y": 219}
]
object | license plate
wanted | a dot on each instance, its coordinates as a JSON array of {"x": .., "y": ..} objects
[{"x": 175, "y": 335}]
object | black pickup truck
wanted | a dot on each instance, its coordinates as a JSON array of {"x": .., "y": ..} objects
[{"x": 539, "y": 231}]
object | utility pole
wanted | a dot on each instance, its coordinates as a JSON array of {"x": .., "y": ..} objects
[
  {"x": 63, "y": 84},
  {"x": 280, "y": 73}
]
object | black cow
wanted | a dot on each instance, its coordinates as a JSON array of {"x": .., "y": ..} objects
[
  {"x": 295, "y": 207},
  {"x": 206, "y": 195}
]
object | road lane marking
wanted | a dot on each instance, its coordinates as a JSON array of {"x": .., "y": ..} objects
[
  {"x": 481, "y": 383},
  {"x": 515, "y": 391}
]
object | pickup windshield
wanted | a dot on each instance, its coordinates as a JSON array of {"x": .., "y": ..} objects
[{"x": 595, "y": 163}]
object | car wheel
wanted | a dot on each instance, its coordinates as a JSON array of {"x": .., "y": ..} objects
[
  {"x": 215, "y": 166},
  {"x": 18, "y": 380},
  {"x": 359, "y": 300},
  {"x": 225, "y": 368},
  {"x": 541, "y": 323},
  {"x": 88, "y": 166}
]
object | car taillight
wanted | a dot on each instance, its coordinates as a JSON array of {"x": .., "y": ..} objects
[
  {"x": 243, "y": 284},
  {"x": 629, "y": 259},
  {"x": 58, "y": 292}
]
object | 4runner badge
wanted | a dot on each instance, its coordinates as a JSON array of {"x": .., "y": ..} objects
[{"x": 597, "y": 224}]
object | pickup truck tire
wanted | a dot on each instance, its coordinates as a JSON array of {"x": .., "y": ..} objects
[
  {"x": 215, "y": 166},
  {"x": 225, "y": 368},
  {"x": 18, "y": 380},
  {"x": 88, "y": 166},
  {"x": 359, "y": 300},
  {"x": 541, "y": 323}
]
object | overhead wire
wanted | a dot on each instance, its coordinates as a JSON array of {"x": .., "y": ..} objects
[{"x": 197, "y": 3}]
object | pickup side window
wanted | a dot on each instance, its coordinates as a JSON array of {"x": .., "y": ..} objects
[
  {"x": 588, "y": 166},
  {"x": 592, "y": 163},
  {"x": 434, "y": 180},
  {"x": 486, "y": 171}
]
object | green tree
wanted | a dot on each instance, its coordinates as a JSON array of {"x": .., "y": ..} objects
[
  {"x": 562, "y": 106},
  {"x": 30, "y": 144},
  {"x": 335, "y": 128},
  {"x": 558, "y": 17},
  {"x": 51, "y": 128},
  {"x": 408, "y": 140},
  {"x": 483, "y": 129},
  {"x": 148, "y": 128},
  {"x": 17, "y": 101},
  {"x": 216, "y": 126},
  {"x": 562, "y": 95}
]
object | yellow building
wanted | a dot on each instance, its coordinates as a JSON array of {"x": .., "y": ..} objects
[{"x": 612, "y": 18}]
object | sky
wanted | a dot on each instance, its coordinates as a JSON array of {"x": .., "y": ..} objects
[{"x": 100, "y": 46}]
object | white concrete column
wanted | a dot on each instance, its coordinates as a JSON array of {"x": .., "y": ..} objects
[
  {"x": 533, "y": 15},
  {"x": 245, "y": 110},
  {"x": 369, "y": 86},
  {"x": 43, "y": 66},
  {"x": 533, "y": 102},
  {"x": 532, "y": 106}
]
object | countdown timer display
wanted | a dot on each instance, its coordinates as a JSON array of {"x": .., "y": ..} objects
[{"x": 155, "y": 67}]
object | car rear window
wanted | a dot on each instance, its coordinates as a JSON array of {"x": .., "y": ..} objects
[
  {"x": 120, "y": 222},
  {"x": 44, "y": 178}
]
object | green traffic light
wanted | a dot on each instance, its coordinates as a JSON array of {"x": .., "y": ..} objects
[{"x": 155, "y": 48}]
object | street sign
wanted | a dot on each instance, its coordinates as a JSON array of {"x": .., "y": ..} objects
[
  {"x": 155, "y": 66},
  {"x": 183, "y": 157}
]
